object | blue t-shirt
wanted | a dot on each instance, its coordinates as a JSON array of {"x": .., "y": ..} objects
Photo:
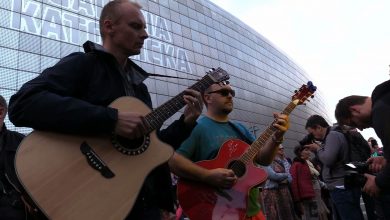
[{"x": 205, "y": 141}]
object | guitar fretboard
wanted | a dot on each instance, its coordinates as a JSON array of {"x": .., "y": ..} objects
[
  {"x": 264, "y": 137},
  {"x": 157, "y": 117}
]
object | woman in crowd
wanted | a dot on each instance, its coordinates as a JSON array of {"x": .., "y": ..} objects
[
  {"x": 278, "y": 204},
  {"x": 306, "y": 187}
]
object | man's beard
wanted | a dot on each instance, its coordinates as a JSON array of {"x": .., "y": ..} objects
[{"x": 226, "y": 111}]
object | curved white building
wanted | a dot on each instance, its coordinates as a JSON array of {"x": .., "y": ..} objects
[{"x": 187, "y": 38}]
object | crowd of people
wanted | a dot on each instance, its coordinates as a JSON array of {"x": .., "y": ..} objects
[{"x": 74, "y": 95}]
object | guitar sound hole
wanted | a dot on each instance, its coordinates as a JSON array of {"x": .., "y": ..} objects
[
  {"x": 130, "y": 146},
  {"x": 238, "y": 167}
]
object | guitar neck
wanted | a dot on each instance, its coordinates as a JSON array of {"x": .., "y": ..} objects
[
  {"x": 157, "y": 117},
  {"x": 264, "y": 137}
]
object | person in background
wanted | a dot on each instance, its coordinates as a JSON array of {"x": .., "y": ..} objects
[
  {"x": 373, "y": 210},
  {"x": 276, "y": 195},
  {"x": 375, "y": 150},
  {"x": 306, "y": 186},
  {"x": 283, "y": 156},
  {"x": 12, "y": 206},
  {"x": 364, "y": 112},
  {"x": 333, "y": 152}
]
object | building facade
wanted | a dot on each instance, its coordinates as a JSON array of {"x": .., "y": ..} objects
[{"x": 186, "y": 39}]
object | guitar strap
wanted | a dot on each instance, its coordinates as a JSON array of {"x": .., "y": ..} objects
[
  {"x": 243, "y": 137},
  {"x": 172, "y": 77}
]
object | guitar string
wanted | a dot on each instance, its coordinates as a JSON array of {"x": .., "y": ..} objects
[
  {"x": 153, "y": 123},
  {"x": 175, "y": 105},
  {"x": 205, "y": 81},
  {"x": 200, "y": 86},
  {"x": 177, "y": 101},
  {"x": 258, "y": 144},
  {"x": 160, "y": 114},
  {"x": 269, "y": 132}
]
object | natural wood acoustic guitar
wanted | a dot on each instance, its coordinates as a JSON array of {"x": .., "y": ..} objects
[{"x": 98, "y": 176}]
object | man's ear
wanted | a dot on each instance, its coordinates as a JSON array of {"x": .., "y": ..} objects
[
  {"x": 206, "y": 98},
  {"x": 108, "y": 27},
  {"x": 354, "y": 109}
]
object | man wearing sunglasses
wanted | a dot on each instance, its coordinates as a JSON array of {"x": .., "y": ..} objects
[{"x": 209, "y": 135}]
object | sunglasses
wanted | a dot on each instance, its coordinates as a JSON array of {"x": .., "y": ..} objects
[{"x": 224, "y": 92}]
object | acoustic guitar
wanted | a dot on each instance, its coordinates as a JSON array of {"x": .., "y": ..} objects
[
  {"x": 97, "y": 176},
  {"x": 200, "y": 201}
]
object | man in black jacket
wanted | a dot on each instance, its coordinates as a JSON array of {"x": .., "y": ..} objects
[
  {"x": 72, "y": 97},
  {"x": 364, "y": 112},
  {"x": 11, "y": 204}
]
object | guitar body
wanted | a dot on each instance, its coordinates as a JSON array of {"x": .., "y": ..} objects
[
  {"x": 64, "y": 185},
  {"x": 204, "y": 202}
]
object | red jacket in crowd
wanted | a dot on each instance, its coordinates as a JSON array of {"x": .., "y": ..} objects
[{"x": 301, "y": 185}]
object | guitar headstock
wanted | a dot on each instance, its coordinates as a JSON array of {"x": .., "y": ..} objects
[
  {"x": 305, "y": 92},
  {"x": 218, "y": 75}
]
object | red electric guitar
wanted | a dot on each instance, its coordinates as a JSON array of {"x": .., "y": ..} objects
[{"x": 204, "y": 202}]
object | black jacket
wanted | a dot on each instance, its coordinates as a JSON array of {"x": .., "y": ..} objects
[
  {"x": 72, "y": 97},
  {"x": 10, "y": 141},
  {"x": 381, "y": 124}
]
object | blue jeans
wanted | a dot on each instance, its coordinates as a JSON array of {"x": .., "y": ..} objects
[{"x": 347, "y": 203}]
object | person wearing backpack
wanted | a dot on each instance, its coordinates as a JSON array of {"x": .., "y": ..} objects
[
  {"x": 333, "y": 154},
  {"x": 372, "y": 112},
  {"x": 359, "y": 151}
]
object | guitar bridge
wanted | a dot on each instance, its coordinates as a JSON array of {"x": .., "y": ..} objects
[{"x": 95, "y": 161}]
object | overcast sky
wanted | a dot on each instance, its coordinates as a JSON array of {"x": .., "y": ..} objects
[{"x": 344, "y": 45}]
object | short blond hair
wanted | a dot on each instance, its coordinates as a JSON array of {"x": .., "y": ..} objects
[{"x": 111, "y": 11}]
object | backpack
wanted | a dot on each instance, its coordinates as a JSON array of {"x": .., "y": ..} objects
[{"x": 358, "y": 148}]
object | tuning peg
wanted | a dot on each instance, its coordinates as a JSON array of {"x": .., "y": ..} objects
[
  {"x": 312, "y": 96},
  {"x": 295, "y": 91}
]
